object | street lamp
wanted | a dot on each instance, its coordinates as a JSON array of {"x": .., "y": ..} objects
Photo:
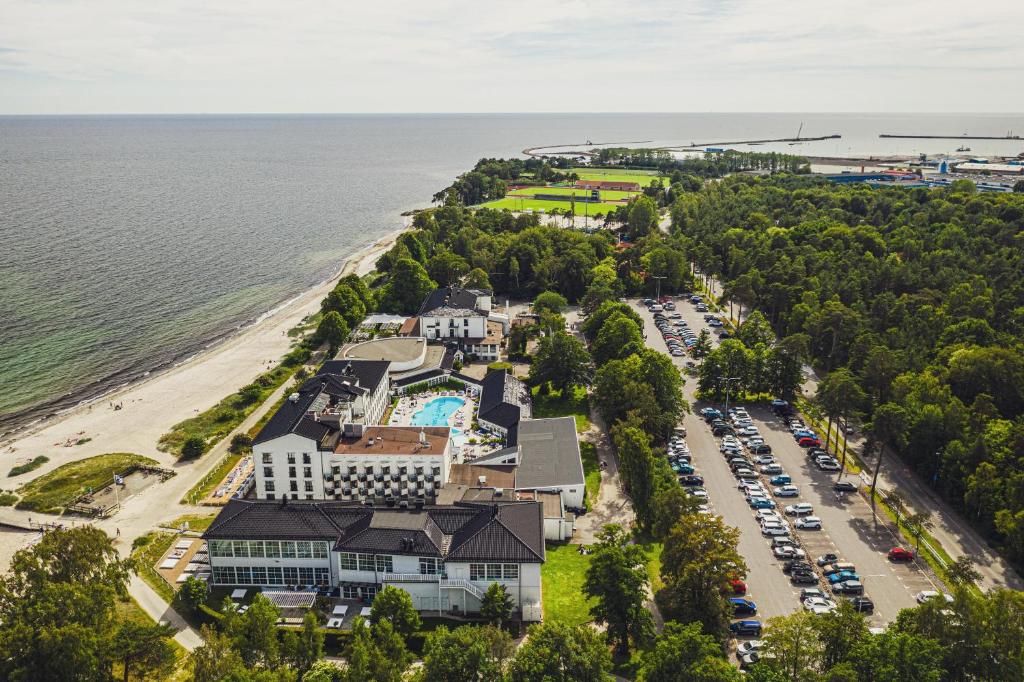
[
  {"x": 659, "y": 278},
  {"x": 727, "y": 380}
]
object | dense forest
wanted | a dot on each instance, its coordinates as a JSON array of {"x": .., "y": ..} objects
[
  {"x": 917, "y": 294},
  {"x": 710, "y": 165}
]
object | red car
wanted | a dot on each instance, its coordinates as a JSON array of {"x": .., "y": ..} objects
[
  {"x": 808, "y": 442},
  {"x": 738, "y": 586},
  {"x": 900, "y": 554}
]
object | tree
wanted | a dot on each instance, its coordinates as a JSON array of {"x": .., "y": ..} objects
[
  {"x": 556, "y": 652},
  {"x": 145, "y": 651},
  {"x": 792, "y": 646},
  {"x": 703, "y": 345},
  {"x": 496, "y": 605},
  {"x": 683, "y": 652},
  {"x": 617, "y": 578},
  {"x": 477, "y": 279},
  {"x": 917, "y": 523},
  {"x": 551, "y": 301},
  {"x": 407, "y": 287},
  {"x": 323, "y": 671},
  {"x": 962, "y": 571},
  {"x": 466, "y": 654},
  {"x": 254, "y": 633},
  {"x": 347, "y": 302},
  {"x": 839, "y": 632},
  {"x": 375, "y": 653},
  {"x": 668, "y": 504},
  {"x": 563, "y": 361},
  {"x": 593, "y": 324},
  {"x": 895, "y": 656},
  {"x": 217, "y": 659},
  {"x": 618, "y": 338},
  {"x": 306, "y": 647},
  {"x": 1018, "y": 187},
  {"x": 193, "y": 447},
  {"x": 642, "y": 217},
  {"x": 192, "y": 593},
  {"x": 446, "y": 268},
  {"x": 394, "y": 605},
  {"x": 333, "y": 331}
]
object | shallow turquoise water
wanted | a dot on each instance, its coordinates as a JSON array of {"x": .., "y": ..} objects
[{"x": 437, "y": 412}]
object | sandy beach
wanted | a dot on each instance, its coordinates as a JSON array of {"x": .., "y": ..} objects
[{"x": 151, "y": 407}]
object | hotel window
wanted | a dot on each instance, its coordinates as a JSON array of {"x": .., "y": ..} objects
[
  {"x": 309, "y": 497},
  {"x": 494, "y": 571},
  {"x": 348, "y": 561},
  {"x": 241, "y": 548},
  {"x": 293, "y": 486},
  {"x": 384, "y": 563},
  {"x": 270, "y": 496},
  {"x": 303, "y": 550},
  {"x": 291, "y": 458},
  {"x": 477, "y": 572},
  {"x": 307, "y": 472},
  {"x": 320, "y": 550},
  {"x": 224, "y": 575},
  {"x": 366, "y": 562},
  {"x": 274, "y": 576},
  {"x": 511, "y": 572},
  {"x": 268, "y": 486},
  {"x": 323, "y": 576},
  {"x": 305, "y": 458},
  {"x": 308, "y": 486},
  {"x": 259, "y": 575},
  {"x": 291, "y": 472},
  {"x": 268, "y": 458},
  {"x": 268, "y": 472},
  {"x": 385, "y": 470},
  {"x": 291, "y": 575},
  {"x": 220, "y": 548},
  {"x": 287, "y": 550},
  {"x": 243, "y": 575},
  {"x": 273, "y": 549},
  {"x": 429, "y": 566},
  {"x": 256, "y": 549},
  {"x": 305, "y": 576}
]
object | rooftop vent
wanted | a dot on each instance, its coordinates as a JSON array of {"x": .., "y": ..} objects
[
  {"x": 370, "y": 441},
  {"x": 482, "y": 480},
  {"x": 498, "y": 492}
]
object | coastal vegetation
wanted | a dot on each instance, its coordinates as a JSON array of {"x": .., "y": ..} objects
[
  {"x": 916, "y": 295},
  {"x": 28, "y": 466},
  {"x": 56, "y": 489}
]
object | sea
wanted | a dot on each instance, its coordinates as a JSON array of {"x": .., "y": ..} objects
[{"x": 131, "y": 243}]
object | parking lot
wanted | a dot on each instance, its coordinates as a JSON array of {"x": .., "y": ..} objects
[{"x": 848, "y": 527}]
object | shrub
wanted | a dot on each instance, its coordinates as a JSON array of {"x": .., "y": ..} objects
[
  {"x": 194, "y": 447},
  {"x": 240, "y": 442},
  {"x": 495, "y": 366},
  {"x": 35, "y": 463},
  {"x": 7, "y": 499}
]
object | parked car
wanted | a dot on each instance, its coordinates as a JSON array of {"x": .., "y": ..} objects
[
  {"x": 925, "y": 595},
  {"x": 747, "y": 647},
  {"x": 808, "y": 442},
  {"x": 842, "y": 576},
  {"x": 863, "y": 604},
  {"x": 844, "y": 487},
  {"x": 765, "y": 459},
  {"x": 838, "y": 567},
  {"x": 803, "y": 578},
  {"x": 800, "y": 509},
  {"x": 786, "y": 491},
  {"x": 771, "y": 469},
  {"x": 761, "y": 503},
  {"x": 743, "y": 607},
  {"x": 769, "y": 531},
  {"x": 826, "y": 559},
  {"x": 738, "y": 586},
  {"x": 829, "y": 465},
  {"x": 761, "y": 449},
  {"x": 746, "y": 628},
  {"x": 848, "y": 587},
  {"x": 900, "y": 554},
  {"x": 781, "y": 479},
  {"x": 819, "y": 605},
  {"x": 788, "y": 552},
  {"x": 810, "y": 592},
  {"x": 691, "y": 480},
  {"x": 808, "y": 523},
  {"x": 763, "y": 515},
  {"x": 796, "y": 565}
]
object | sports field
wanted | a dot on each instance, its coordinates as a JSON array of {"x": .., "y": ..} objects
[
  {"x": 516, "y": 204},
  {"x": 606, "y": 195},
  {"x": 612, "y": 175}
]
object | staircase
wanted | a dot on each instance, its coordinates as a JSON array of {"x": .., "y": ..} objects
[{"x": 464, "y": 585}]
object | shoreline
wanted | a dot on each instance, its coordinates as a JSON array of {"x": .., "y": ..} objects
[{"x": 156, "y": 401}]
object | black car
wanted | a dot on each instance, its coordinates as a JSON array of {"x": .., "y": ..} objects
[
  {"x": 863, "y": 604},
  {"x": 762, "y": 449},
  {"x": 844, "y": 487},
  {"x": 803, "y": 578},
  {"x": 691, "y": 479},
  {"x": 796, "y": 566},
  {"x": 724, "y": 334},
  {"x": 722, "y": 430}
]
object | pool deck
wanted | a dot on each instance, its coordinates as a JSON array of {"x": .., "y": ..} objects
[{"x": 461, "y": 419}]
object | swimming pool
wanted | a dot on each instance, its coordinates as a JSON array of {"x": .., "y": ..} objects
[{"x": 437, "y": 412}]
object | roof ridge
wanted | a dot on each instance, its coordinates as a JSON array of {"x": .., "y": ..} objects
[
  {"x": 245, "y": 505},
  {"x": 516, "y": 535}
]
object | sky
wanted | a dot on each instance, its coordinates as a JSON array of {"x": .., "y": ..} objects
[{"x": 262, "y": 56}]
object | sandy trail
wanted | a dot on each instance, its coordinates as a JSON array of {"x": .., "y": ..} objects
[{"x": 150, "y": 408}]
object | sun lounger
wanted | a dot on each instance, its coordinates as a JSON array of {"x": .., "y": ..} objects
[
  {"x": 239, "y": 594},
  {"x": 340, "y": 610},
  {"x": 169, "y": 563},
  {"x": 184, "y": 544}
]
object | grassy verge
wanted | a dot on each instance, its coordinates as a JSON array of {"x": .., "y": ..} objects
[
  {"x": 55, "y": 490},
  {"x": 562, "y": 576},
  {"x": 31, "y": 465},
  {"x": 218, "y": 421},
  {"x": 195, "y": 522},
  {"x": 7, "y": 499},
  {"x": 129, "y": 609},
  {"x": 202, "y": 489},
  {"x": 591, "y": 472},
  {"x": 149, "y": 548},
  {"x": 554, "y": 405},
  {"x": 653, "y": 550}
]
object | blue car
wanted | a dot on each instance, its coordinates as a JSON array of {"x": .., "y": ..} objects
[
  {"x": 742, "y": 607},
  {"x": 762, "y": 504},
  {"x": 804, "y": 433},
  {"x": 683, "y": 468},
  {"x": 782, "y": 479},
  {"x": 841, "y": 576},
  {"x": 746, "y": 628}
]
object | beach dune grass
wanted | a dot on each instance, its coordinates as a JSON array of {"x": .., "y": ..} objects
[
  {"x": 562, "y": 575},
  {"x": 28, "y": 466},
  {"x": 56, "y": 489}
]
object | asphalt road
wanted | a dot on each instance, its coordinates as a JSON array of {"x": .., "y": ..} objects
[{"x": 849, "y": 529}]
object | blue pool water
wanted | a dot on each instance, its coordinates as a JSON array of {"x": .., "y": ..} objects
[{"x": 437, "y": 412}]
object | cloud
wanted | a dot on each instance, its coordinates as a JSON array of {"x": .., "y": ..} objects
[{"x": 532, "y": 55}]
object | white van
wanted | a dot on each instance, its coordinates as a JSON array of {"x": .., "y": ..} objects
[{"x": 657, "y": 308}]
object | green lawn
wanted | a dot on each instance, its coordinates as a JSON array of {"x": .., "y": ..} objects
[
  {"x": 552, "y": 405},
  {"x": 516, "y": 204},
  {"x": 57, "y": 489},
  {"x": 617, "y": 175},
  {"x": 606, "y": 195},
  {"x": 591, "y": 472},
  {"x": 148, "y": 549},
  {"x": 562, "y": 577},
  {"x": 653, "y": 550},
  {"x": 196, "y": 522}
]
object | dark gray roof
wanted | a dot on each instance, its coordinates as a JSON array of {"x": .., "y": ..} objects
[
  {"x": 452, "y": 298},
  {"x": 337, "y": 380},
  {"x": 504, "y": 400},
  {"x": 549, "y": 453},
  {"x": 419, "y": 377},
  {"x": 471, "y": 531}
]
